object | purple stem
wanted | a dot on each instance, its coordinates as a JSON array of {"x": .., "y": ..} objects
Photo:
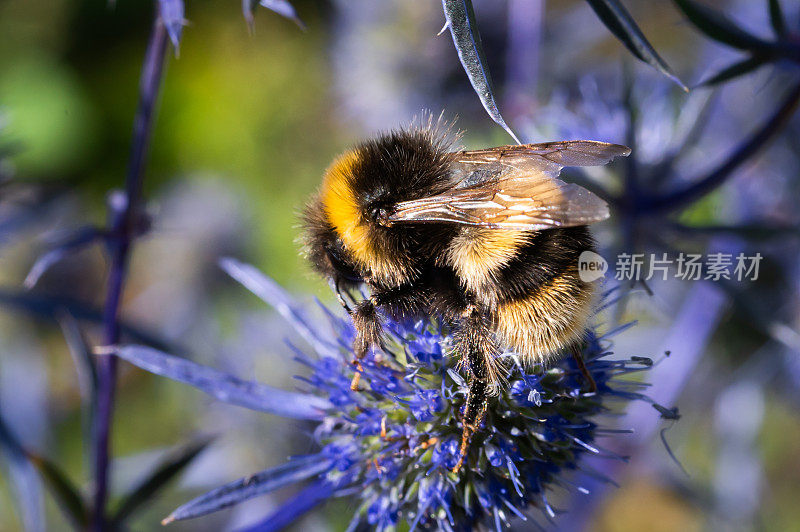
[
  {"x": 743, "y": 153},
  {"x": 126, "y": 221}
]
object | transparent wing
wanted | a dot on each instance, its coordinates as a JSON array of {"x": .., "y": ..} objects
[{"x": 516, "y": 187}]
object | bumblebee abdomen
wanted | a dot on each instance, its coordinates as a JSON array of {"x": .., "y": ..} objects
[
  {"x": 542, "y": 305},
  {"x": 478, "y": 255},
  {"x": 547, "y": 320}
]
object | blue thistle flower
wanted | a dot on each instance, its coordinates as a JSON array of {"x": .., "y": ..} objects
[{"x": 392, "y": 445}]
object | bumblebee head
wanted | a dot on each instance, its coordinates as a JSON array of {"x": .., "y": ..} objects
[
  {"x": 359, "y": 190},
  {"x": 324, "y": 248},
  {"x": 347, "y": 234}
]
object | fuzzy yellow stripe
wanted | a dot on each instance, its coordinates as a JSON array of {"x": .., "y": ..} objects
[{"x": 342, "y": 209}]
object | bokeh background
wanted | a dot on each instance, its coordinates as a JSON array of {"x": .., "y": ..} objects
[{"x": 247, "y": 123}]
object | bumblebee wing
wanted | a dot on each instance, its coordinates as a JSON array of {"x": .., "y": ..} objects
[
  {"x": 519, "y": 203},
  {"x": 549, "y": 157},
  {"x": 516, "y": 187}
]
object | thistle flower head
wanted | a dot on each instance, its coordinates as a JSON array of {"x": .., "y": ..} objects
[
  {"x": 397, "y": 439},
  {"x": 392, "y": 445}
]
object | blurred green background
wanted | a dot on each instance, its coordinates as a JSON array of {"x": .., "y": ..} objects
[{"x": 251, "y": 109}]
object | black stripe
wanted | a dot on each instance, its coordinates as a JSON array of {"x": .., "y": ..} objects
[{"x": 548, "y": 255}]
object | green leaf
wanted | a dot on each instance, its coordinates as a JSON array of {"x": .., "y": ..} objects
[
  {"x": 461, "y": 21},
  {"x": 777, "y": 18},
  {"x": 719, "y": 27},
  {"x": 735, "y": 70},
  {"x": 66, "y": 494},
  {"x": 166, "y": 471},
  {"x": 619, "y": 21}
]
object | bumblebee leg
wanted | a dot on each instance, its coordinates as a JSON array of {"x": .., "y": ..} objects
[
  {"x": 368, "y": 333},
  {"x": 575, "y": 350},
  {"x": 474, "y": 344},
  {"x": 368, "y": 326},
  {"x": 474, "y": 413},
  {"x": 340, "y": 296},
  {"x": 337, "y": 287}
]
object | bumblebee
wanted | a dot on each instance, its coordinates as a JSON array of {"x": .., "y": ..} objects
[{"x": 488, "y": 240}]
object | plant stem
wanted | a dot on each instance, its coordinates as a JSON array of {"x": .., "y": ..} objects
[
  {"x": 748, "y": 148},
  {"x": 126, "y": 221}
]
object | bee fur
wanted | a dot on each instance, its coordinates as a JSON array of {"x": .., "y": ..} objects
[{"x": 517, "y": 289}]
